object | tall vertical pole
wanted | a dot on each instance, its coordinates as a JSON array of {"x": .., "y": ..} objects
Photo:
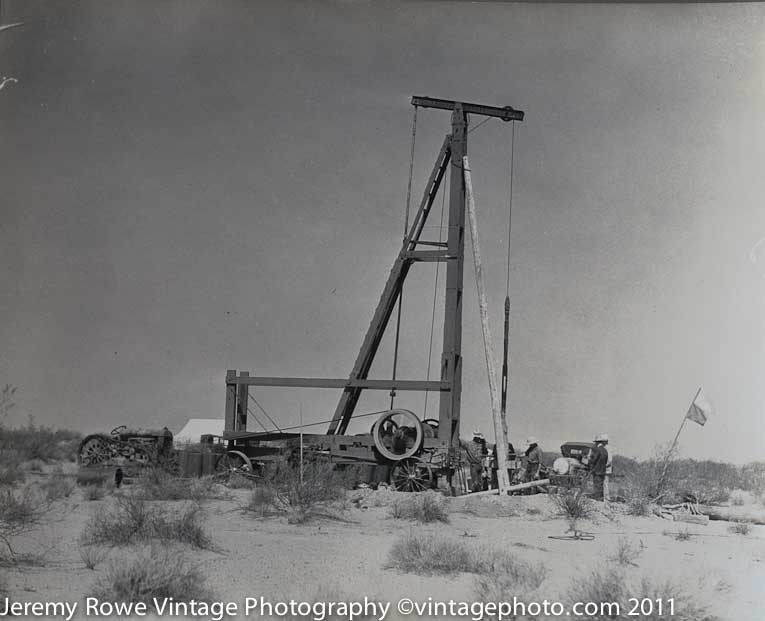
[
  {"x": 229, "y": 421},
  {"x": 500, "y": 431},
  {"x": 674, "y": 443},
  {"x": 451, "y": 357}
]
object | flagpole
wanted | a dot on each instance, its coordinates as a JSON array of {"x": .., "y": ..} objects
[{"x": 674, "y": 442}]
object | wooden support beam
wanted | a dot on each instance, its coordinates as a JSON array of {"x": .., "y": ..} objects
[
  {"x": 507, "y": 113},
  {"x": 229, "y": 417},
  {"x": 318, "y": 382},
  {"x": 427, "y": 255},
  {"x": 513, "y": 488}
]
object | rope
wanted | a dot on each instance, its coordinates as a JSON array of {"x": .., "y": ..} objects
[
  {"x": 324, "y": 422},
  {"x": 406, "y": 231},
  {"x": 486, "y": 120},
  {"x": 262, "y": 409},
  {"x": 435, "y": 294},
  {"x": 251, "y": 413},
  {"x": 411, "y": 172}
]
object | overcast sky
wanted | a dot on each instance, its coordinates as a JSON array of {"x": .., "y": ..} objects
[{"x": 190, "y": 186}]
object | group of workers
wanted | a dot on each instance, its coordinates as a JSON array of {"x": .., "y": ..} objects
[{"x": 484, "y": 465}]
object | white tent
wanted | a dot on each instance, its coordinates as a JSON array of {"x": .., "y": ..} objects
[{"x": 196, "y": 427}]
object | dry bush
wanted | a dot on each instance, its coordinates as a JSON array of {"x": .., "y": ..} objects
[
  {"x": 504, "y": 575},
  {"x": 740, "y": 527},
  {"x": 427, "y": 553},
  {"x": 154, "y": 573},
  {"x": 87, "y": 477},
  {"x": 33, "y": 465},
  {"x": 639, "y": 506},
  {"x": 424, "y": 508},
  {"x": 158, "y": 484},
  {"x": 10, "y": 474},
  {"x": 92, "y": 556},
  {"x": 626, "y": 552},
  {"x": 262, "y": 501},
  {"x": 605, "y": 586},
  {"x": 284, "y": 491},
  {"x": 132, "y": 520},
  {"x": 21, "y": 510},
  {"x": 57, "y": 487},
  {"x": 573, "y": 504},
  {"x": 93, "y": 492},
  {"x": 738, "y": 498},
  {"x": 682, "y": 535},
  {"x": 37, "y": 442},
  {"x": 238, "y": 481}
]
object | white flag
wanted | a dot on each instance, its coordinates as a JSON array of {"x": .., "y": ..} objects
[{"x": 700, "y": 409}]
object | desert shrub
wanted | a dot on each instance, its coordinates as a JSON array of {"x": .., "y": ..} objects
[
  {"x": 573, "y": 504},
  {"x": 424, "y": 508},
  {"x": 284, "y": 491},
  {"x": 639, "y": 505},
  {"x": 57, "y": 487},
  {"x": 738, "y": 498},
  {"x": 238, "y": 481},
  {"x": 681, "y": 535},
  {"x": 158, "y": 484},
  {"x": 155, "y": 573},
  {"x": 610, "y": 590},
  {"x": 92, "y": 556},
  {"x": 10, "y": 474},
  {"x": 33, "y": 465},
  {"x": 186, "y": 527},
  {"x": 262, "y": 500},
  {"x": 37, "y": 442},
  {"x": 430, "y": 553},
  {"x": 22, "y": 509},
  {"x": 740, "y": 528},
  {"x": 626, "y": 552},
  {"x": 133, "y": 520},
  {"x": 93, "y": 492},
  {"x": 87, "y": 477},
  {"x": 508, "y": 573}
]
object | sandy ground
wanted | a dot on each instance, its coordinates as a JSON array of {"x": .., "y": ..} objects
[{"x": 348, "y": 559}]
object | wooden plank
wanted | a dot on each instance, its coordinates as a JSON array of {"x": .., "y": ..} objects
[
  {"x": 318, "y": 382},
  {"x": 428, "y": 255},
  {"x": 690, "y": 518},
  {"x": 513, "y": 488}
]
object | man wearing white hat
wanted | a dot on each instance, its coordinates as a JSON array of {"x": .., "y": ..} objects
[{"x": 476, "y": 451}]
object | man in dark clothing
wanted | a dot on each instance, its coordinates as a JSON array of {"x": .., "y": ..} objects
[{"x": 597, "y": 462}]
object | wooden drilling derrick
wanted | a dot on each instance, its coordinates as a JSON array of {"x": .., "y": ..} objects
[{"x": 416, "y": 451}]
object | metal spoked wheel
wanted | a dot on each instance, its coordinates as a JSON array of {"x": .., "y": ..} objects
[
  {"x": 233, "y": 462},
  {"x": 411, "y": 475},
  {"x": 94, "y": 450},
  {"x": 398, "y": 435}
]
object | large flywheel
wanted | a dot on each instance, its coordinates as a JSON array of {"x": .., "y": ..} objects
[{"x": 398, "y": 435}]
